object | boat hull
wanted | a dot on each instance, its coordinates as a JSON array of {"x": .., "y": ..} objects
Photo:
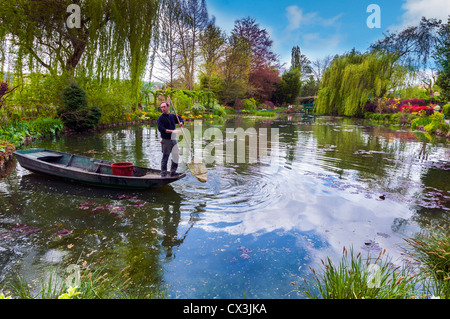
[{"x": 89, "y": 170}]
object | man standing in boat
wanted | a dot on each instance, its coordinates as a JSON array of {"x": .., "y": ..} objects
[{"x": 166, "y": 126}]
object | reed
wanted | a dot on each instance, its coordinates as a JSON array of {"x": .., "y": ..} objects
[
  {"x": 431, "y": 249},
  {"x": 358, "y": 278},
  {"x": 93, "y": 284}
]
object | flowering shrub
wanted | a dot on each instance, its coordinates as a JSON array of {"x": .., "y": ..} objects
[{"x": 416, "y": 108}]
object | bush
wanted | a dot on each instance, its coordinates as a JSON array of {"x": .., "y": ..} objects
[
  {"x": 420, "y": 121},
  {"x": 249, "y": 103},
  {"x": 370, "y": 107},
  {"x": 75, "y": 112},
  {"x": 446, "y": 110},
  {"x": 437, "y": 123},
  {"x": 46, "y": 126},
  {"x": 197, "y": 109}
]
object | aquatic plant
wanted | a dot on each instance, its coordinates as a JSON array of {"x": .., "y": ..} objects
[
  {"x": 93, "y": 284},
  {"x": 355, "y": 278},
  {"x": 431, "y": 249}
]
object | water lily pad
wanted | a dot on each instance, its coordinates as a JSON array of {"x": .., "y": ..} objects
[
  {"x": 64, "y": 232},
  {"x": 25, "y": 229}
]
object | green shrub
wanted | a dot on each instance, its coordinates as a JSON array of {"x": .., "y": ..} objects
[
  {"x": 446, "y": 110},
  {"x": 75, "y": 112},
  {"x": 181, "y": 101},
  {"x": 249, "y": 103},
  {"x": 437, "y": 122},
  {"x": 46, "y": 126},
  {"x": 420, "y": 121},
  {"x": 197, "y": 109}
]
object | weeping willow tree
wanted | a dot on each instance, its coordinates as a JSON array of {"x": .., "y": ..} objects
[
  {"x": 111, "y": 40},
  {"x": 353, "y": 78}
]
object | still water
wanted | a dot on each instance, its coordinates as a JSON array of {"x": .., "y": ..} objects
[{"x": 252, "y": 229}]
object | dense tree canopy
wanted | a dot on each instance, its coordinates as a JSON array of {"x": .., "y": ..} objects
[
  {"x": 353, "y": 78},
  {"x": 112, "y": 39},
  {"x": 442, "y": 57}
]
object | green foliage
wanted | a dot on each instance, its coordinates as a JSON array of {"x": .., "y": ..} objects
[
  {"x": 420, "y": 121},
  {"x": 182, "y": 101},
  {"x": 353, "y": 78},
  {"x": 94, "y": 284},
  {"x": 355, "y": 278},
  {"x": 197, "y": 109},
  {"x": 46, "y": 126},
  {"x": 446, "y": 111},
  {"x": 289, "y": 87},
  {"x": 17, "y": 131},
  {"x": 219, "y": 111},
  {"x": 432, "y": 249},
  {"x": 73, "y": 97},
  {"x": 250, "y": 103},
  {"x": 442, "y": 56},
  {"x": 112, "y": 97},
  {"x": 75, "y": 112},
  {"x": 436, "y": 123}
]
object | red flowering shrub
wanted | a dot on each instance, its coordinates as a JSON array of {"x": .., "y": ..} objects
[{"x": 415, "y": 108}]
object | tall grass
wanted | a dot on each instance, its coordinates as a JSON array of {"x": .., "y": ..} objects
[
  {"x": 357, "y": 278},
  {"x": 431, "y": 249},
  {"x": 93, "y": 284}
]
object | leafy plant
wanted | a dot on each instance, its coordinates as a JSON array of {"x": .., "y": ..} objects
[
  {"x": 75, "y": 112},
  {"x": 432, "y": 249},
  {"x": 437, "y": 122},
  {"x": 250, "y": 103},
  {"x": 355, "y": 278},
  {"x": 446, "y": 110},
  {"x": 420, "y": 121}
]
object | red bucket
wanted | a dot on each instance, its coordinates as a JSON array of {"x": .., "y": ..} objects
[{"x": 122, "y": 169}]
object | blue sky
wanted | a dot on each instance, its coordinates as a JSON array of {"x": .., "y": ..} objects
[{"x": 324, "y": 27}]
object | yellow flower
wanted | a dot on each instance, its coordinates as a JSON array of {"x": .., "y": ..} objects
[{"x": 70, "y": 293}]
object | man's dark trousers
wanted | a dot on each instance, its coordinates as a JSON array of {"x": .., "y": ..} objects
[{"x": 169, "y": 146}]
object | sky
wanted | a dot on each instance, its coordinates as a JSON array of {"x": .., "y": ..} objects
[{"x": 325, "y": 27}]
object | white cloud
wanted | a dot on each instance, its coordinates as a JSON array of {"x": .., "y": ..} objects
[
  {"x": 297, "y": 17},
  {"x": 416, "y": 9},
  {"x": 316, "y": 40}
]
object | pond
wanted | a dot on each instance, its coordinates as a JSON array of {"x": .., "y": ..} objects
[{"x": 252, "y": 229}]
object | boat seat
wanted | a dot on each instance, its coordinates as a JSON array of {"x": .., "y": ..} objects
[{"x": 47, "y": 156}]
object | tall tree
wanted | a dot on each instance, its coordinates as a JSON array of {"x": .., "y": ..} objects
[
  {"x": 263, "y": 82},
  {"x": 212, "y": 41},
  {"x": 42, "y": 38},
  {"x": 288, "y": 89},
  {"x": 38, "y": 30},
  {"x": 442, "y": 56},
  {"x": 354, "y": 77},
  {"x": 193, "y": 21},
  {"x": 301, "y": 62},
  {"x": 135, "y": 21},
  {"x": 168, "y": 53},
  {"x": 234, "y": 69},
  {"x": 412, "y": 46},
  {"x": 260, "y": 43}
]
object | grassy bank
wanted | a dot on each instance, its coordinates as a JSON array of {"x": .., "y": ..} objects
[{"x": 80, "y": 282}]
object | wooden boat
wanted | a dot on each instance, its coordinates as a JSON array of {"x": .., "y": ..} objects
[{"x": 89, "y": 170}]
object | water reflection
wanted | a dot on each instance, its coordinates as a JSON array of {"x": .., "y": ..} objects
[{"x": 252, "y": 228}]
